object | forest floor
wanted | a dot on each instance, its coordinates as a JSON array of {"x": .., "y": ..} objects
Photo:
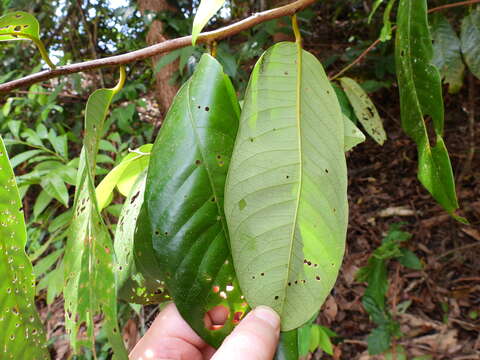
[{"x": 442, "y": 319}]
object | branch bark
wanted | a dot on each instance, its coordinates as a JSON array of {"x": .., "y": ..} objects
[{"x": 157, "y": 49}]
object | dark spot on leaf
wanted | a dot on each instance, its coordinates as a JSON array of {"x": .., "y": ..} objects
[
  {"x": 134, "y": 197},
  {"x": 328, "y": 91},
  {"x": 18, "y": 16},
  {"x": 251, "y": 139},
  {"x": 207, "y": 108},
  {"x": 326, "y": 170},
  {"x": 212, "y": 199},
  {"x": 262, "y": 274},
  {"x": 286, "y": 72},
  {"x": 289, "y": 284},
  {"x": 253, "y": 277},
  {"x": 287, "y": 177},
  {"x": 166, "y": 233},
  {"x": 317, "y": 278},
  {"x": 219, "y": 157},
  {"x": 157, "y": 232},
  {"x": 276, "y": 297},
  {"x": 199, "y": 106}
]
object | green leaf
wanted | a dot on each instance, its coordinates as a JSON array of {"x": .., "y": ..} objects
[
  {"x": 55, "y": 187},
  {"x": 21, "y": 25},
  {"x": 287, "y": 348},
  {"x": 410, "y": 260},
  {"x": 89, "y": 259},
  {"x": 379, "y": 340},
  {"x": 42, "y": 266},
  {"x": 181, "y": 232},
  {"x": 324, "y": 340},
  {"x": 375, "y": 7},
  {"x": 24, "y": 156},
  {"x": 364, "y": 109},
  {"x": 285, "y": 197},
  {"x": 123, "y": 175},
  {"x": 470, "y": 38},
  {"x": 446, "y": 53},
  {"x": 205, "y": 12},
  {"x": 131, "y": 285},
  {"x": 304, "y": 339},
  {"x": 352, "y": 135},
  {"x": 421, "y": 95},
  {"x": 386, "y": 32},
  {"x": 22, "y": 332},
  {"x": 41, "y": 203}
]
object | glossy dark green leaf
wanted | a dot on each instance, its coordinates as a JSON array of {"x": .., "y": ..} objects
[
  {"x": 181, "y": 231},
  {"x": 22, "y": 335},
  {"x": 470, "y": 39},
  {"x": 286, "y": 193},
  {"x": 131, "y": 285},
  {"x": 421, "y": 95},
  {"x": 89, "y": 257},
  {"x": 446, "y": 53}
]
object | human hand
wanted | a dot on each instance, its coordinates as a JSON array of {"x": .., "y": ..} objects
[{"x": 171, "y": 338}]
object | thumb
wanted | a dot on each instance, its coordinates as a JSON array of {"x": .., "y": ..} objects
[{"x": 255, "y": 338}]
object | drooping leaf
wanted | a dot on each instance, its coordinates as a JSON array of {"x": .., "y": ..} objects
[
  {"x": 446, "y": 53},
  {"x": 20, "y": 25},
  {"x": 89, "y": 259},
  {"x": 205, "y": 12},
  {"x": 470, "y": 40},
  {"x": 386, "y": 32},
  {"x": 324, "y": 341},
  {"x": 124, "y": 175},
  {"x": 132, "y": 286},
  {"x": 22, "y": 335},
  {"x": 287, "y": 348},
  {"x": 285, "y": 198},
  {"x": 181, "y": 234},
  {"x": 364, "y": 109},
  {"x": 375, "y": 7},
  {"x": 421, "y": 95},
  {"x": 353, "y": 135}
]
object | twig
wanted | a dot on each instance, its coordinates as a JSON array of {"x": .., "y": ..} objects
[
  {"x": 156, "y": 49},
  {"x": 461, "y": 248},
  {"x": 376, "y": 42}
]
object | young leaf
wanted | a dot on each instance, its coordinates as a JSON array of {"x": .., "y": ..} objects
[
  {"x": 205, "y": 12},
  {"x": 22, "y": 335},
  {"x": 421, "y": 95},
  {"x": 21, "y": 25},
  {"x": 376, "y": 5},
  {"x": 446, "y": 53},
  {"x": 286, "y": 191},
  {"x": 131, "y": 285},
  {"x": 470, "y": 38},
  {"x": 364, "y": 109},
  {"x": 181, "y": 231},
  {"x": 89, "y": 261},
  {"x": 124, "y": 175}
]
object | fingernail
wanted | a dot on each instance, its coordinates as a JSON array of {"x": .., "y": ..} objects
[{"x": 267, "y": 314}]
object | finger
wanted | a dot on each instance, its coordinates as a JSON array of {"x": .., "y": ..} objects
[
  {"x": 255, "y": 338},
  {"x": 216, "y": 317},
  {"x": 169, "y": 337}
]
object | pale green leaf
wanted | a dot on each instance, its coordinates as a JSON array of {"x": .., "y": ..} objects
[
  {"x": 22, "y": 335},
  {"x": 205, "y": 12},
  {"x": 446, "y": 53},
  {"x": 353, "y": 135},
  {"x": 386, "y": 32},
  {"x": 285, "y": 197},
  {"x": 55, "y": 187},
  {"x": 324, "y": 340},
  {"x": 364, "y": 109},
  {"x": 41, "y": 203},
  {"x": 375, "y": 7},
  {"x": 470, "y": 41},
  {"x": 42, "y": 266},
  {"x": 89, "y": 258}
]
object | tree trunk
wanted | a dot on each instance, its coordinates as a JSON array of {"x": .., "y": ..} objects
[{"x": 165, "y": 92}]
